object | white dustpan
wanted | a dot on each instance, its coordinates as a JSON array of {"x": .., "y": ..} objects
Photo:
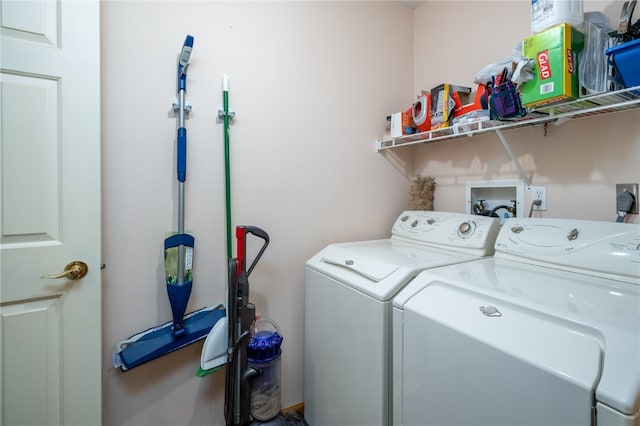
[{"x": 214, "y": 350}]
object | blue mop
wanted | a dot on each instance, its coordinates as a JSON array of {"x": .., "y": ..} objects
[{"x": 184, "y": 329}]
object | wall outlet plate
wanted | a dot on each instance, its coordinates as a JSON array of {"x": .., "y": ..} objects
[
  {"x": 539, "y": 192},
  {"x": 631, "y": 188}
]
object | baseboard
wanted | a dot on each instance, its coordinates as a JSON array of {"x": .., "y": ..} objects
[{"x": 298, "y": 408}]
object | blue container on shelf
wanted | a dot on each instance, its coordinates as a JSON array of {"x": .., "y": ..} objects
[{"x": 626, "y": 58}]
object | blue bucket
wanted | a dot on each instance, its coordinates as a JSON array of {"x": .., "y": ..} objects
[{"x": 626, "y": 58}]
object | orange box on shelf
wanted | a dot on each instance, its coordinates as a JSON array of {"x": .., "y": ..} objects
[
  {"x": 401, "y": 123},
  {"x": 444, "y": 100}
]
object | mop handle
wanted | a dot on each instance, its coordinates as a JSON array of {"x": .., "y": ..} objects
[
  {"x": 183, "y": 65},
  {"x": 181, "y": 142},
  {"x": 183, "y": 62}
]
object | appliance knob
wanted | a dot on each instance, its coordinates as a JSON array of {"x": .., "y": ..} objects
[
  {"x": 573, "y": 234},
  {"x": 517, "y": 229},
  {"x": 431, "y": 221},
  {"x": 414, "y": 223},
  {"x": 404, "y": 218},
  {"x": 464, "y": 228}
]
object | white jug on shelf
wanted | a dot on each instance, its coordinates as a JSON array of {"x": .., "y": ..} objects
[{"x": 547, "y": 13}]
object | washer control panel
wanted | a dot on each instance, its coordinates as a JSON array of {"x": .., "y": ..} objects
[
  {"x": 591, "y": 246},
  {"x": 455, "y": 230}
]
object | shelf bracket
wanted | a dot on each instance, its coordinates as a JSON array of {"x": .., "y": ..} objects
[{"x": 527, "y": 182}]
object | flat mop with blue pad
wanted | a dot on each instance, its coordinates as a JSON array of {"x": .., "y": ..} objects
[{"x": 178, "y": 250}]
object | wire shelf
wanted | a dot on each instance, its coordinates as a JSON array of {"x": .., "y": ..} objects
[{"x": 592, "y": 105}]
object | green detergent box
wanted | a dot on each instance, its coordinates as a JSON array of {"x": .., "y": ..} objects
[{"x": 555, "y": 52}]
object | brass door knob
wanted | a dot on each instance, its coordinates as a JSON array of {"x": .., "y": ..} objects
[{"x": 73, "y": 271}]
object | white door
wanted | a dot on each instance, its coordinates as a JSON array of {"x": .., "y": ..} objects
[{"x": 50, "y": 329}]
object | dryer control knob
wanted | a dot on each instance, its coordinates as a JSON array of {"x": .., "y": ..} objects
[{"x": 464, "y": 228}]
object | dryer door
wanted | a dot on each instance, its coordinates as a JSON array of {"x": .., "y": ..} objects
[{"x": 471, "y": 359}]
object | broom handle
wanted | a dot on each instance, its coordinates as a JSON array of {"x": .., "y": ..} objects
[{"x": 227, "y": 166}]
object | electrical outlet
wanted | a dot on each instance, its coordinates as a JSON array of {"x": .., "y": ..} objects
[
  {"x": 539, "y": 192},
  {"x": 631, "y": 188}
]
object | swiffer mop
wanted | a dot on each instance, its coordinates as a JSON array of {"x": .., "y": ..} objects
[{"x": 183, "y": 330}]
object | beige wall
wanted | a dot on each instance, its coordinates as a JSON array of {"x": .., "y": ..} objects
[
  {"x": 580, "y": 161},
  {"x": 311, "y": 83}
]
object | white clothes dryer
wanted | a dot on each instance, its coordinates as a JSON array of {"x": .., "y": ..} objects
[
  {"x": 545, "y": 332},
  {"x": 348, "y": 292}
]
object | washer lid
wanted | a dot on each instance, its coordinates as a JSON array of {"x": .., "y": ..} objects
[
  {"x": 360, "y": 262},
  {"x": 380, "y": 268},
  {"x": 472, "y": 359},
  {"x": 610, "y": 307}
]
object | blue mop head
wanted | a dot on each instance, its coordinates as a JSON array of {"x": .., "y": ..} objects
[{"x": 158, "y": 341}]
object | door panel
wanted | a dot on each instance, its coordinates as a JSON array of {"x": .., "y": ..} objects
[
  {"x": 50, "y": 329},
  {"x": 30, "y": 115},
  {"x": 34, "y": 21},
  {"x": 31, "y": 346}
]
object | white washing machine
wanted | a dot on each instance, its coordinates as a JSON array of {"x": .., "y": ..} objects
[
  {"x": 348, "y": 292},
  {"x": 545, "y": 332}
]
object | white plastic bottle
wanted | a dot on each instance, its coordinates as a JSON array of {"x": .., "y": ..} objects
[{"x": 547, "y": 13}]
